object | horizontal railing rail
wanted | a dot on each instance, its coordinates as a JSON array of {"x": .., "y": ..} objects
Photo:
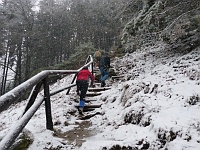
[{"x": 12, "y": 96}]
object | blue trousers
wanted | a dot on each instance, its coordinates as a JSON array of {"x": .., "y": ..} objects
[
  {"x": 104, "y": 73},
  {"x": 82, "y": 103}
]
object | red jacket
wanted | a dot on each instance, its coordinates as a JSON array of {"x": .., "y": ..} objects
[{"x": 84, "y": 75}]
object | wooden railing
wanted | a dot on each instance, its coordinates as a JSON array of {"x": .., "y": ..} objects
[{"x": 35, "y": 83}]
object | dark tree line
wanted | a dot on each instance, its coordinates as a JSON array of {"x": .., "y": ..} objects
[{"x": 32, "y": 39}]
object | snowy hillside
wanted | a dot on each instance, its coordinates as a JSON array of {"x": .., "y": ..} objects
[{"x": 155, "y": 105}]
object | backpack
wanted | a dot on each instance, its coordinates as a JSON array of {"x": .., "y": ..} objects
[{"x": 107, "y": 61}]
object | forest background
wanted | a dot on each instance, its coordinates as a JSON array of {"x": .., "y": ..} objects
[
  {"x": 60, "y": 34},
  {"x": 50, "y": 34}
]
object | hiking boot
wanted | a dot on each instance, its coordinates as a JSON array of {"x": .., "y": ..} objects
[
  {"x": 80, "y": 110},
  {"x": 103, "y": 83}
]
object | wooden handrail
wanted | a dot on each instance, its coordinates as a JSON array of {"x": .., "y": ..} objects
[
  {"x": 12, "y": 96},
  {"x": 32, "y": 106}
]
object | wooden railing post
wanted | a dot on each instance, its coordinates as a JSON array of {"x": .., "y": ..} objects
[
  {"x": 93, "y": 68},
  {"x": 71, "y": 83},
  {"x": 49, "y": 123},
  {"x": 33, "y": 96}
]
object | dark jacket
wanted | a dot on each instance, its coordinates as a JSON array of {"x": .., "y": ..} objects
[{"x": 104, "y": 62}]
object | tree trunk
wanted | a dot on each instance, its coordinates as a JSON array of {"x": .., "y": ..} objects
[
  {"x": 5, "y": 70},
  {"x": 18, "y": 75}
]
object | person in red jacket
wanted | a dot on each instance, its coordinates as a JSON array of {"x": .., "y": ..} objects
[{"x": 82, "y": 83}]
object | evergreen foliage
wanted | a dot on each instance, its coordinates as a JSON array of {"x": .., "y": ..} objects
[
  {"x": 54, "y": 35},
  {"x": 48, "y": 37}
]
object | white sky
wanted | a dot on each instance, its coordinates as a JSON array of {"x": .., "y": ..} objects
[{"x": 168, "y": 109}]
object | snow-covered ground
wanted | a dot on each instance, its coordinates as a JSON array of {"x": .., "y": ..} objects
[{"x": 156, "y": 105}]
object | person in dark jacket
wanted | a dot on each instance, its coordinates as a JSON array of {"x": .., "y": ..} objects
[
  {"x": 104, "y": 65},
  {"x": 82, "y": 83}
]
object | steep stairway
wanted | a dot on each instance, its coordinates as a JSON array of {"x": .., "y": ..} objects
[{"x": 91, "y": 100}]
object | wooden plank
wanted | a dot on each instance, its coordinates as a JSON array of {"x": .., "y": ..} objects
[
  {"x": 116, "y": 77},
  {"x": 90, "y": 100},
  {"x": 96, "y": 69},
  {"x": 91, "y": 94},
  {"x": 89, "y": 106},
  {"x": 88, "y": 109},
  {"x": 90, "y": 116},
  {"x": 98, "y": 89}
]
